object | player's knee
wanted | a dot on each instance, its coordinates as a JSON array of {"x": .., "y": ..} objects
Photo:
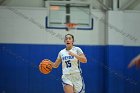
[{"x": 68, "y": 89}]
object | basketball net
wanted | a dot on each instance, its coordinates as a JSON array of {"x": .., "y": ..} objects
[{"x": 71, "y": 26}]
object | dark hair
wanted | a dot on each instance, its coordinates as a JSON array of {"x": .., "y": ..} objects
[{"x": 70, "y": 35}]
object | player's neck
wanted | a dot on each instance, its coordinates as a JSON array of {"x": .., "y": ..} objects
[{"x": 69, "y": 48}]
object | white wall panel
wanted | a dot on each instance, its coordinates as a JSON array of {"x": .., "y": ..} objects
[
  {"x": 115, "y": 27},
  {"x": 26, "y": 25},
  {"x": 24, "y": 3},
  {"x": 132, "y": 27}
]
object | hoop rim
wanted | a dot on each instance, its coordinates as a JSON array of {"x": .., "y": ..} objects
[{"x": 71, "y": 25}]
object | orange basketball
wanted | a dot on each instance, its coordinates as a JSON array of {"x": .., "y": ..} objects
[{"x": 45, "y": 67}]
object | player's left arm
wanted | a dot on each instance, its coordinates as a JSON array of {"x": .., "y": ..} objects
[
  {"x": 81, "y": 57},
  {"x": 135, "y": 61}
]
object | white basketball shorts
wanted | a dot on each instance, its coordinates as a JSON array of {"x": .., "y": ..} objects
[{"x": 74, "y": 80}]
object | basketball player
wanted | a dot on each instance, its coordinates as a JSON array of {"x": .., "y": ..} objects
[
  {"x": 71, "y": 57},
  {"x": 135, "y": 61}
]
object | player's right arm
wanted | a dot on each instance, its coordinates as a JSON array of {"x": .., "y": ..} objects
[{"x": 56, "y": 63}]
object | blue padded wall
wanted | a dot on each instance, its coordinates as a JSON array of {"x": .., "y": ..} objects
[{"x": 105, "y": 72}]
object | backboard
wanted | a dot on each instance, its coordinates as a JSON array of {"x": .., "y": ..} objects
[{"x": 59, "y": 13}]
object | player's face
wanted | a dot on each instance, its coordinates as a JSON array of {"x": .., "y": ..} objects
[{"x": 68, "y": 41}]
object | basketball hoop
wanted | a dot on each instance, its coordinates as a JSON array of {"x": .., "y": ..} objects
[{"x": 71, "y": 25}]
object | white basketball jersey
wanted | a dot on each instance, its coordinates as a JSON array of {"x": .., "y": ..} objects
[{"x": 70, "y": 64}]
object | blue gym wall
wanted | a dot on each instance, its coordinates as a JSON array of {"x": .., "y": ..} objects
[
  {"x": 19, "y": 69},
  {"x": 20, "y": 74},
  {"x": 24, "y": 43}
]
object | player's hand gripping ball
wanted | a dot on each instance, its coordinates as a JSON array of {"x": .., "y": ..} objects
[{"x": 45, "y": 66}]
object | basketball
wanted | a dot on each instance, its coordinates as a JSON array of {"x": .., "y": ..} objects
[{"x": 45, "y": 67}]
